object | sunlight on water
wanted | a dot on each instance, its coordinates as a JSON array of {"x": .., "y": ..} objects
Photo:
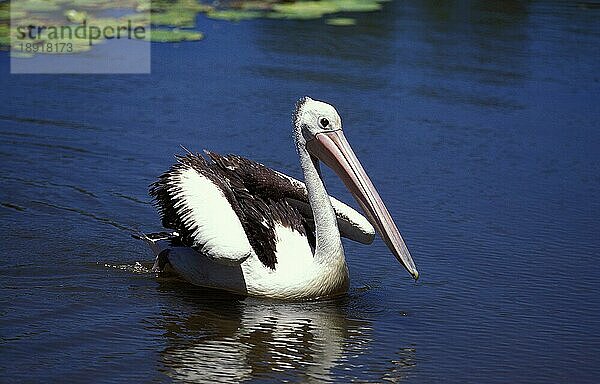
[{"x": 135, "y": 268}]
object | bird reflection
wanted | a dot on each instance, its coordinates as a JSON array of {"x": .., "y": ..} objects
[{"x": 216, "y": 337}]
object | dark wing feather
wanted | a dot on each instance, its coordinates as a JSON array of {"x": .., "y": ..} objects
[
  {"x": 259, "y": 179},
  {"x": 167, "y": 202},
  {"x": 256, "y": 193},
  {"x": 270, "y": 184},
  {"x": 261, "y": 194}
]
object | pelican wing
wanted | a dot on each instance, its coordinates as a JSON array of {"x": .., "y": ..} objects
[
  {"x": 261, "y": 180},
  {"x": 199, "y": 204}
]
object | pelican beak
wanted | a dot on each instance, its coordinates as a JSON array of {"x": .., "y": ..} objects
[{"x": 333, "y": 149}]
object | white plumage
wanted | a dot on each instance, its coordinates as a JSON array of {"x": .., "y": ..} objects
[
  {"x": 217, "y": 231},
  {"x": 245, "y": 228}
]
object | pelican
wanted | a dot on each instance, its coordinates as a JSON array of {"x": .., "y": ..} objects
[{"x": 242, "y": 227}]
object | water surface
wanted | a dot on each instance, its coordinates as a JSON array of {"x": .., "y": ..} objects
[{"x": 478, "y": 123}]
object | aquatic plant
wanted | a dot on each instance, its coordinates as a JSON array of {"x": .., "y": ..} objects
[
  {"x": 234, "y": 14},
  {"x": 181, "y": 13},
  {"x": 341, "y": 21},
  {"x": 174, "y": 35},
  {"x": 304, "y": 9},
  {"x": 75, "y": 16},
  {"x": 166, "y": 18}
]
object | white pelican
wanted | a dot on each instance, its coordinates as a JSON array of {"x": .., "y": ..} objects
[{"x": 242, "y": 227}]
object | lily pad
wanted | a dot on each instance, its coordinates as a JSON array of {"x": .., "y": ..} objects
[
  {"x": 234, "y": 14},
  {"x": 357, "y": 5},
  {"x": 304, "y": 9},
  {"x": 170, "y": 15},
  {"x": 174, "y": 35},
  {"x": 318, "y": 9},
  {"x": 75, "y": 16},
  {"x": 4, "y": 36},
  {"x": 6, "y": 13},
  {"x": 341, "y": 21},
  {"x": 144, "y": 6},
  {"x": 257, "y": 5},
  {"x": 34, "y": 5},
  {"x": 181, "y": 13},
  {"x": 174, "y": 18}
]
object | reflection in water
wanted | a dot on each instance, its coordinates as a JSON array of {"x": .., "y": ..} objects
[
  {"x": 219, "y": 337},
  {"x": 366, "y": 43},
  {"x": 443, "y": 46},
  {"x": 478, "y": 119},
  {"x": 316, "y": 50},
  {"x": 492, "y": 41}
]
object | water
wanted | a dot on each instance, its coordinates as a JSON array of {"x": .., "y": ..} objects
[{"x": 477, "y": 122}]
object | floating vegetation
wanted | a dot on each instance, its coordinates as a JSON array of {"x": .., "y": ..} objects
[
  {"x": 304, "y": 9},
  {"x": 234, "y": 14},
  {"x": 4, "y": 35},
  {"x": 181, "y": 13},
  {"x": 174, "y": 35},
  {"x": 169, "y": 20},
  {"x": 341, "y": 21},
  {"x": 50, "y": 26},
  {"x": 76, "y": 16}
]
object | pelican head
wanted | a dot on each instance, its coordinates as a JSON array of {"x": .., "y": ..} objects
[{"x": 318, "y": 129}]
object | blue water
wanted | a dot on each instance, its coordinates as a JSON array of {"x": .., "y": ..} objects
[{"x": 478, "y": 123}]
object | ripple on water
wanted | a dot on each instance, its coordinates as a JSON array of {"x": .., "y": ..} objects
[{"x": 477, "y": 122}]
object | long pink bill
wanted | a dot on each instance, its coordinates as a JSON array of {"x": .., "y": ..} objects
[{"x": 333, "y": 149}]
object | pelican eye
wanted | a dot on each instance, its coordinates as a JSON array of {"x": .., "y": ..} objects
[{"x": 324, "y": 123}]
